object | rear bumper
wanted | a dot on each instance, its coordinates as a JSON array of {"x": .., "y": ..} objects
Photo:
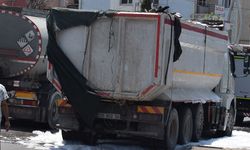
[
  {"x": 116, "y": 119},
  {"x": 28, "y": 113}
]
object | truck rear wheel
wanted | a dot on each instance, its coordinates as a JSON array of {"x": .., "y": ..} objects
[
  {"x": 186, "y": 125},
  {"x": 53, "y": 109},
  {"x": 230, "y": 124},
  {"x": 69, "y": 135},
  {"x": 198, "y": 120},
  {"x": 239, "y": 120},
  {"x": 172, "y": 129},
  {"x": 89, "y": 138}
]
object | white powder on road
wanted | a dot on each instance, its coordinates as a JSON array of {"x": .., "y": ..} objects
[
  {"x": 239, "y": 140},
  {"x": 48, "y": 140}
]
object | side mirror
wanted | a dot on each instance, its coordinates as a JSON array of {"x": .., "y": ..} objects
[{"x": 246, "y": 64}]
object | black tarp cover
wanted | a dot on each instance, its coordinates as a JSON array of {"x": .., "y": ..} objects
[
  {"x": 73, "y": 84},
  {"x": 177, "y": 33}
]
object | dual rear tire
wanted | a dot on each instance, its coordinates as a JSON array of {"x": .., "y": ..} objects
[
  {"x": 53, "y": 109},
  {"x": 88, "y": 138},
  {"x": 230, "y": 124},
  {"x": 184, "y": 125},
  {"x": 198, "y": 122},
  {"x": 239, "y": 120},
  {"x": 172, "y": 130}
]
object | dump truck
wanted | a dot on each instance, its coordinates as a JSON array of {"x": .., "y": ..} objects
[
  {"x": 131, "y": 74},
  {"x": 23, "y": 64}
]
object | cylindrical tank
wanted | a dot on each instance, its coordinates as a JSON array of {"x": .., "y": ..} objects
[
  {"x": 41, "y": 65},
  {"x": 22, "y": 45}
]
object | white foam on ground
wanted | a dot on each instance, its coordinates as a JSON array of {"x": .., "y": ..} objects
[
  {"x": 44, "y": 140},
  {"x": 239, "y": 140},
  {"x": 47, "y": 140}
]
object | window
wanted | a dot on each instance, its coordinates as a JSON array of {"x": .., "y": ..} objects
[
  {"x": 201, "y": 2},
  {"x": 156, "y": 2},
  {"x": 126, "y": 1},
  {"x": 227, "y": 3}
]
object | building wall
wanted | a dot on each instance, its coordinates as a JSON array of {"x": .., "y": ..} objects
[
  {"x": 48, "y": 3},
  {"x": 189, "y": 8},
  {"x": 58, "y": 3},
  {"x": 116, "y": 5},
  {"x": 185, "y": 7},
  {"x": 94, "y": 4},
  {"x": 14, "y": 3},
  {"x": 109, "y": 4}
]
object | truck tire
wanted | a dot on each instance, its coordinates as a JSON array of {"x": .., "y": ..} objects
[
  {"x": 71, "y": 135},
  {"x": 53, "y": 110},
  {"x": 186, "y": 125},
  {"x": 239, "y": 120},
  {"x": 198, "y": 121},
  {"x": 230, "y": 124},
  {"x": 172, "y": 129},
  {"x": 89, "y": 138}
]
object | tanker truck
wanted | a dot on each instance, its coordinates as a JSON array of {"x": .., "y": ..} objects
[
  {"x": 131, "y": 74},
  {"x": 23, "y": 64}
]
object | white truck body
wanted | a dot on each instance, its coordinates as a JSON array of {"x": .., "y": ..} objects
[{"x": 134, "y": 59}]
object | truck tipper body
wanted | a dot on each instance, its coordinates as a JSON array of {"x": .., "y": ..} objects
[
  {"x": 139, "y": 74},
  {"x": 23, "y": 64}
]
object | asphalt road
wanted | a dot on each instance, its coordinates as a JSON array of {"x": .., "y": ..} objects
[{"x": 20, "y": 130}]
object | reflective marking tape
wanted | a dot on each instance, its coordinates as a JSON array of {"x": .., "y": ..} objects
[
  {"x": 197, "y": 73},
  {"x": 150, "y": 109},
  {"x": 147, "y": 89},
  {"x": 62, "y": 103},
  {"x": 103, "y": 94},
  {"x": 24, "y": 102},
  {"x": 28, "y": 102},
  {"x": 26, "y": 95}
]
